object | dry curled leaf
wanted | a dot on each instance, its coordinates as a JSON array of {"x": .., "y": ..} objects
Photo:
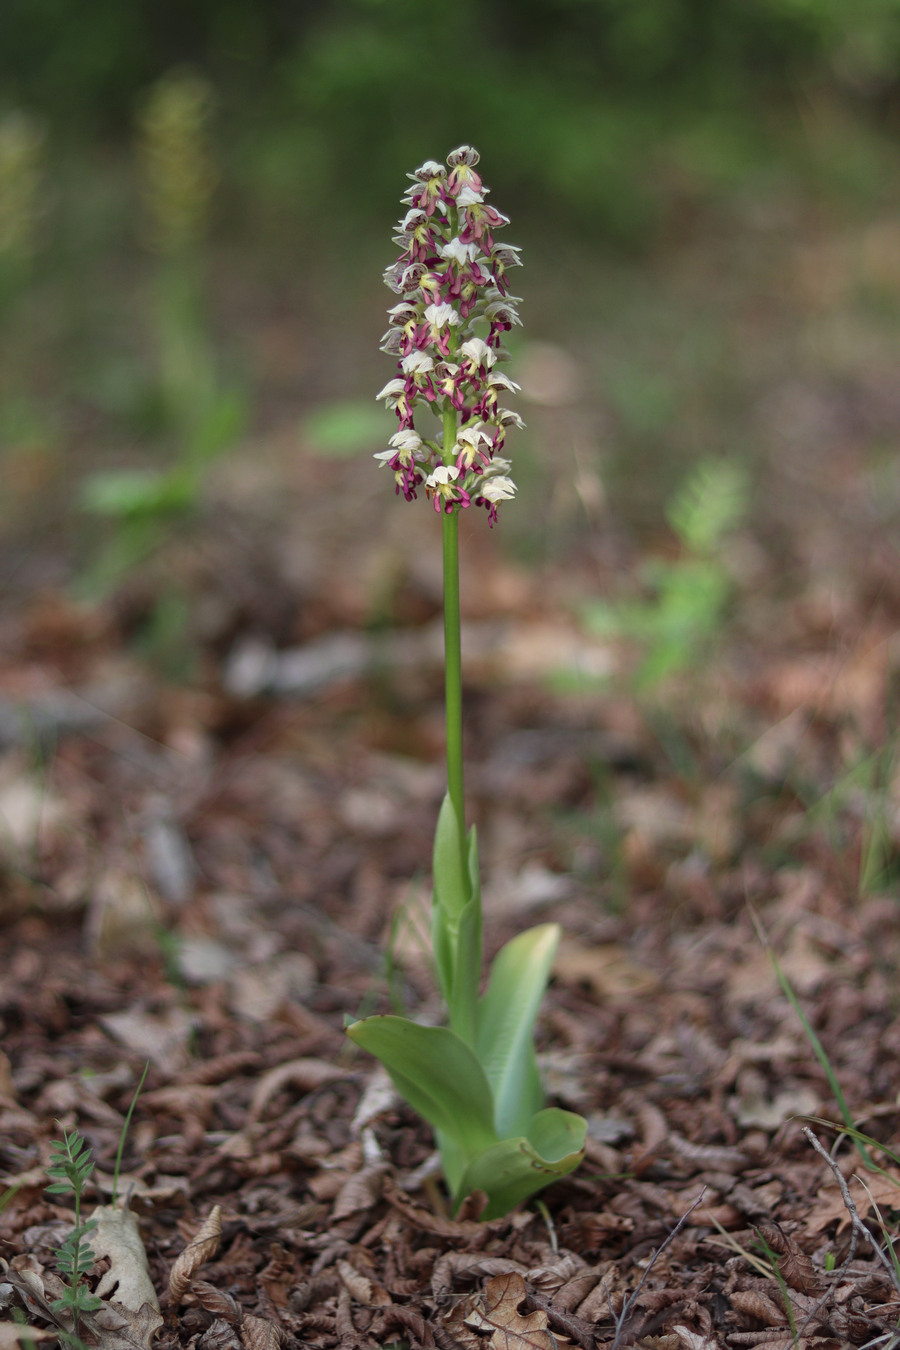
[
  {"x": 359, "y": 1192},
  {"x": 258, "y": 1333},
  {"x": 499, "y": 1314},
  {"x": 426, "y": 1221},
  {"x": 795, "y": 1266},
  {"x": 453, "y": 1264},
  {"x": 754, "y": 1303},
  {"x": 217, "y": 1302},
  {"x": 220, "y": 1336},
  {"x": 304, "y": 1074},
  {"x": 361, "y": 1288},
  {"x": 200, "y": 1250}
]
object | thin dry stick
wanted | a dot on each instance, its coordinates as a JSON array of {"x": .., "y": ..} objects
[
  {"x": 858, "y": 1225},
  {"x": 624, "y": 1315}
]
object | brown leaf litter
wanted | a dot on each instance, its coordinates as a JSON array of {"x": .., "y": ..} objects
[{"x": 210, "y": 879}]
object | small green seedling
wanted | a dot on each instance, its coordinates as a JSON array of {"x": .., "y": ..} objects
[
  {"x": 475, "y": 1081},
  {"x": 676, "y": 625},
  {"x": 72, "y": 1166}
]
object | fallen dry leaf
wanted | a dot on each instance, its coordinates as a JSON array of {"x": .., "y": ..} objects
[
  {"x": 116, "y": 1327},
  {"x": 499, "y": 1314},
  {"x": 259, "y": 1333},
  {"x": 12, "y": 1334},
  {"x": 878, "y": 1188},
  {"x": 200, "y": 1250},
  {"x": 118, "y": 1239}
]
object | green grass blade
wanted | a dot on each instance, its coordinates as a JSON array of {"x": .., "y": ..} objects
[{"x": 819, "y": 1051}]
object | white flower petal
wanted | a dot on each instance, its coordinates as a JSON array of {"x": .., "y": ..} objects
[
  {"x": 458, "y": 252},
  {"x": 500, "y": 381},
  {"x": 441, "y": 315},
  {"x": 475, "y": 433},
  {"x": 407, "y": 439},
  {"x": 392, "y": 389},
  {"x": 497, "y": 489},
  {"x": 467, "y": 195},
  {"x": 442, "y": 476},
  {"x": 417, "y": 363},
  {"x": 478, "y": 352}
]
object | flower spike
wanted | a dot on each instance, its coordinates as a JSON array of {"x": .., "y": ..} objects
[{"x": 446, "y": 334}]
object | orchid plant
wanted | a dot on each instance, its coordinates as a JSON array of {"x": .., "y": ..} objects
[{"x": 476, "y": 1080}]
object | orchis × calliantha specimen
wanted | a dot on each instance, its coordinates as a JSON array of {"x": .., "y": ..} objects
[
  {"x": 475, "y": 1081},
  {"x": 447, "y": 333}
]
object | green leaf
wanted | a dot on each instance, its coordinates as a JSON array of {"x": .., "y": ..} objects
[
  {"x": 125, "y": 493},
  {"x": 451, "y": 896},
  {"x": 506, "y": 1015},
  {"x": 342, "y": 429},
  {"x": 437, "y": 1073},
  {"x": 451, "y": 885},
  {"x": 220, "y": 424},
  {"x": 463, "y": 1000},
  {"x": 514, "y": 1169}
]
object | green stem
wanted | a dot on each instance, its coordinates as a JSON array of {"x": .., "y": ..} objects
[{"x": 453, "y": 652}]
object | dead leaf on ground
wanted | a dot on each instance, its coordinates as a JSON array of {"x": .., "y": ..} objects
[
  {"x": 118, "y": 1238},
  {"x": 878, "y": 1188},
  {"x": 200, "y": 1250},
  {"x": 606, "y": 968},
  {"x": 499, "y": 1314},
  {"x": 13, "y": 1335}
]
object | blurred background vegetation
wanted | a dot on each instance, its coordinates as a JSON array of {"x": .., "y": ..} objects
[{"x": 195, "y": 204}]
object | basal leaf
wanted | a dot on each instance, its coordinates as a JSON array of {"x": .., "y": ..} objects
[
  {"x": 506, "y": 1016},
  {"x": 514, "y": 1169},
  {"x": 437, "y": 1073},
  {"x": 452, "y": 897},
  {"x": 463, "y": 1001},
  {"x": 451, "y": 885}
]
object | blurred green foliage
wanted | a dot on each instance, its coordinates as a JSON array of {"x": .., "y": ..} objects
[
  {"x": 598, "y": 102},
  {"x": 677, "y": 625}
]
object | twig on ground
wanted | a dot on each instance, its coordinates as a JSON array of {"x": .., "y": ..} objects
[
  {"x": 858, "y": 1226},
  {"x": 622, "y": 1320}
]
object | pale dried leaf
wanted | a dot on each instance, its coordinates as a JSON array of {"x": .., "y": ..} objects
[
  {"x": 499, "y": 1314},
  {"x": 452, "y": 1264},
  {"x": 605, "y": 968},
  {"x": 162, "y": 1038},
  {"x": 754, "y": 1303},
  {"x": 362, "y": 1289},
  {"x": 13, "y": 1333},
  {"x": 119, "y": 1328},
  {"x": 305, "y": 1074},
  {"x": 379, "y": 1096},
  {"x": 258, "y": 1333},
  {"x": 881, "y": 1188},
  {"x": 220, "y": 1336},
  {"x": 693, "y": 1340},
  {"x": 200, "y": 1250},
  {"x": 118, "y": 1239},
  {"x": 343, "y": 1322},
  {"x": 360, "y": 1192},
  {"x": 217, "y": 1302}
]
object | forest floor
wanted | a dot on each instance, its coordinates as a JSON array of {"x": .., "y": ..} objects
[{"x": 211, "y": 874}]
